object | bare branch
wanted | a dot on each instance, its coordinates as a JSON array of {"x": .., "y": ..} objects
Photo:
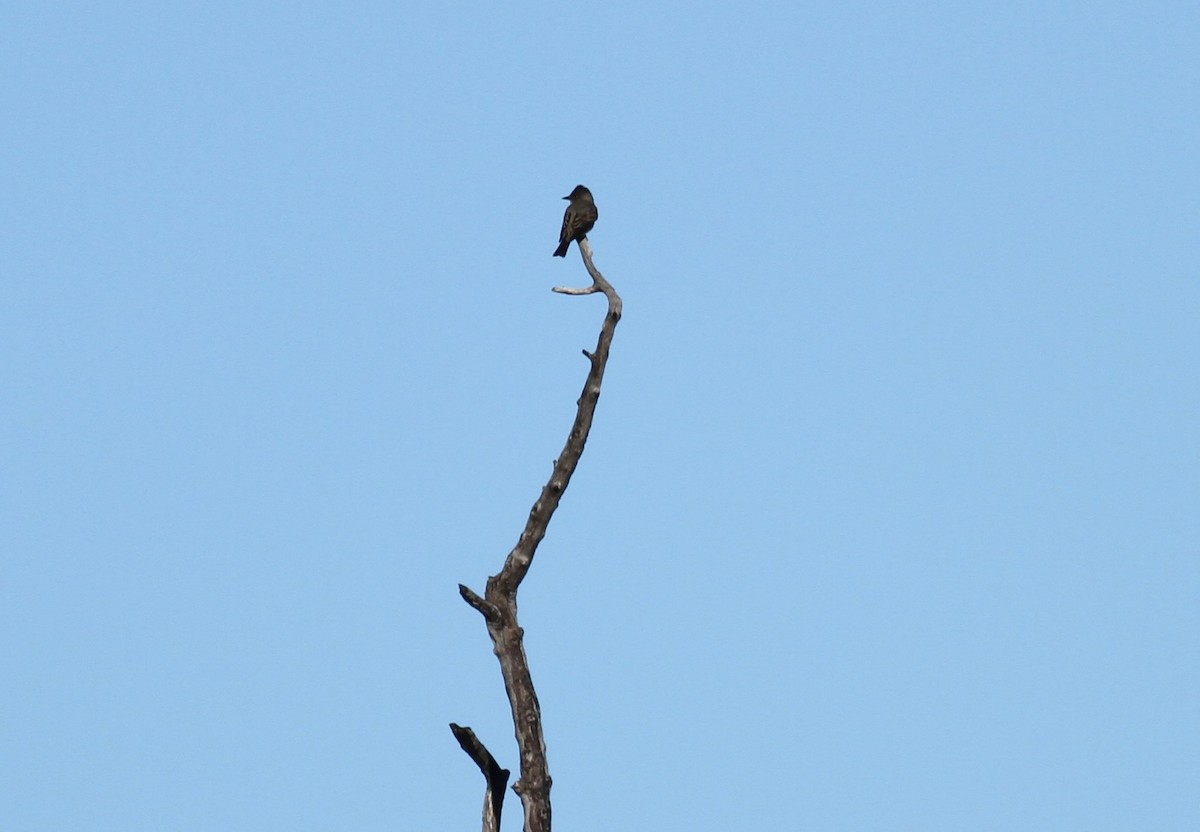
[
  {"x": 499, "y": 604},
  {"x": 599, "y": 284},
  {"x": 488, "y": 611},
  {"x": 496, "y": 777},
  {"x": 521, "y": 556}
]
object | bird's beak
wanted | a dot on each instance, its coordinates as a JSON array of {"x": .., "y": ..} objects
[{"x": 566, "y": 197}]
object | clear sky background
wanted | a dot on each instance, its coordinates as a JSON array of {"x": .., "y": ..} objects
[{"x": 890, "y": 519}]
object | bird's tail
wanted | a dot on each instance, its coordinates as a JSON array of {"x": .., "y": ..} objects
[{"x": 561, "y": 251}]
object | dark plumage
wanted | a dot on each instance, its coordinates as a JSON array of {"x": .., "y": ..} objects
[{"x": 578, "y": 219}]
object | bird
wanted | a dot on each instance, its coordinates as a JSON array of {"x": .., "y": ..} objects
[{"x": 578, "y": 219}]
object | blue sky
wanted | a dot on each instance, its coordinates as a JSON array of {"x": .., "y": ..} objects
[{"x": 888, "y": 520}]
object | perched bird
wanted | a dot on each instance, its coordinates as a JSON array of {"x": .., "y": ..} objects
[{"x": 578, "y": 220}]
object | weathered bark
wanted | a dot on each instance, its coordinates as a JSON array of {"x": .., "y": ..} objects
[
  {"x": 496, "y": 777},
  {"x": 498, "y": 606}
]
